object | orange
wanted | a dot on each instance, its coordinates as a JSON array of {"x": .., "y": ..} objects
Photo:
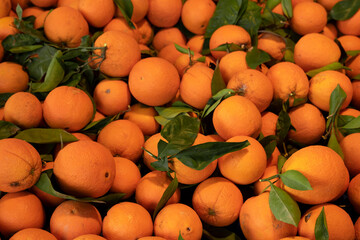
[
  {"x": 354, "y": 64},
  {"x": 23, "y": 109},
  {"x": 112, "y": 97},
  {"x": 32, "y": 11},
  {"x": 330, "y": 31},
  {"x": 268, "y": 123},
  {"x": 350, "y": 42},
  {"x": 154, "y": 81},
  {"x": 350, "y": 112},
  {"x": 164, "y": 13},
  {"x": 151, "y": 145},
  {"x": 84, "y": 169},
  {"x": 33, "y": 234},
  {"x": 295, "y": 238},
  {"x": 228, "y": 34},
  {"x": 273, "y": 159},
  {"x": 353, "y": 193},
  {"x": 328, "y": 175},
  {"x": 328, "y": 4},
  {"x": 170, "y": 53},
  {"x": 178, "y": 219},
  {"x": 124, "y": 139},
  {"x": 254, "y": 85},
  {"x": 278, "y": 8},
  {"x": 339, "y": 223},
  {"x": 350, "y": 26},
  {"x": 195, "y": 43},
  {"x": 315, "y": 50},
  {"x": 115, "y": 64},
  {"x": 2, "y": 114},
  {"x": 89, "y": 237},
  {"x": 140, "y": 9},
  {"x": 20, "y": 210},
  {"x": 255, "y": 214},
  {"x": 349, "y": 146},
  {"x": 150, "y": 189},
  {"x": 20, "y": 165},
  {"x": 120, "y": 24},
  {"x": 235, "y": 116},
  {"x": 7, "y": 27},
  {"x": 144, "y": 117},
  {"x": 355, "y": 101},
  {"x": 166, "y": 36},
  {"x": 79, "y": 136},
  {"x": 259, "y": 187},
  {"x": 59, "y": 110},
  {"x": 232, "y": 63},
  {"x": 217, "y": 201},
  {"x": 1, "y": 51},
  {"x": 12, "y": 78},
  {"x": 145, "y": 32},
  {"x": 44, "y": 3},
  {"x": 357, "y": 228},
  {"x": 151, "y": 238},
  {"x": 65, "y": 26},
  {"x": 273, "y": 44},
  {"x": 73, "y": 218},
  {"x": 68, "y": 3},
  {"x": 97, "y": 13},
  {"x": 195, "y": 15},
  {"x": 323, "y": 84},
  {"x": 244, "y": 166},
  {"x": 40, "y": 19},
  {"x": 195, "y": 86},
  {"x": 186, "y": 61},
  {"x": 127, "y": 176},
  {"x": 309, "y": 123},
  {"x": 23, "y": 4},
  {"x": 98, "y": 116},
  {"x": 289, "y": 81},
  {"x": 5, "y": 7},
  {"x": 127, "y": 220},
  {"x": 308, "y": 17}
]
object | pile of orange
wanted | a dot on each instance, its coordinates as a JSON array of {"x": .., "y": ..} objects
[{"x": 79, "y": 143}]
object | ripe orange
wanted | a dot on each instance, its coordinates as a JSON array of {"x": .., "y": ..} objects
[
  {"x": 89, "y": 237},
  {"x": 2, "y": 114},
  {"x": 170, "y": 53},
  {"x": 23, "y": 4},
  {"x": 350, "y": 42},
  {"x": 349, "y": 146},
  {"x": 97, "y": 13},
  {"x": 12, "y": 78},
  {"x": 127, "y": 220},
  {"x": 259, "y": 187},
  {"x": 151, "y": 145},
  {"x": 145, "y": 32},
  {"x": 65, "y": 26},
  {"x": 353, "y": 193},
  {"x": 357, "y": 228},
  {"x": 140, "y": 9},
  {"x": 5, "y": 7},
  {"x": 328, "y": 4},
  {"x": 355, "y": 101},
  {"x": 273, "y": 159},
  {"x": 339, "y": 223},
  {"x": 255, "y": 214},
  {"x": 68, "y": 3},
  {"x": 178, "y": 219},
  {"x": 59, "y": 110},
  {"x": 151, "y": 238},
  {"x": 232, "y": 63},
  {"x": 79, "y": 136},
  {"x": 185, "y": 61},
  {"x": 166, "y": 36},
  {"x": 350, "y": 112},
  {"x": 40, "y": 19},
  {"x": 330, "y": 31},
  {"x": 150, "y": 189},
  {"x": 268, "y": 123},
  {"x": 115, "y": 64},
  {"x": 154, "y": 81},
  {"x": 328, "y": 175},
  {"x": 195, "y": 43},
  {"x": 1, "y": 51},
  {"x": 323, "y": 84},
  {"x": 120, "y": 24},
  {"x": 273, "y": 44},
  {"x": 164, "y": 13},
  {"x": 32, "y": 11},
  {"x": 354, "y": 64},
  {"x": 20, "y": 210},
  {"x": 350, "y": 26},
  {"x": 74, "y": 218},
  {"x": 7, "y": 27},
  {"x": 44, "y": 3},
  {"x": 295, "y": 238},
  {"x": 33, "y": 234}
]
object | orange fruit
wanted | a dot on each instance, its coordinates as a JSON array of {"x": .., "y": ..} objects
[
  {"x": 228, "y": 34},
  {"x": 178, "y": 219},
  {"x": 68, "y": 3},
  {"x": 314, "y": 50},
  {"x": 295, "y": 238},
  {"x": 112, "y": 97},
  {"x": 97, "y": 13},
  {"x": 195, "y": 43},
  {"x": 140, "y": 9},
  {"x": 350, "y": 42},
  {"x": 255, "y": 214},
  {"x": 350, "y": 112},
  {"x": 150, "y": 189},
  {"x": 353, "y": 193},
  {"x": 166, "y": 36},
  {"x": 44, "y": 3},
  {"x": 1, "y": 51},
  {"x": 144, "y": 117},
  {"x": 357, "y": 228},
  {"x": 330, "y": 31},
  {"x": 84, "y": 169},
  {"x": 65, "y": 26},
  {"x": 259, "y": 187},
  {"x": 46, "y": 199},
  {"x": 195, "y": 15},
  {"x": 127, "y": 220},
  {"x": 354, "y": 64},
  {"x": 349, "y": 146},
  {"x": 232, "y": 63},
  {"x": 185, "y": 61},
  {"x": 289, "y": 81},
  {"x": 154, "y": 81},
  {"x": 74, "y": 218},
  {"x": 33, "y": 234},
  {"x": 23, "y": 109},
  {"x": 309, "y": 123},
  {"x": 59, "y": 110},
  {"x": 273, "y": 159},
  {"x": 350, "y": 26},
  {"x": 328, "y": 175},
  {"x": 40, "y": 19},
  {"x": 145, "y": 32},
  {"x": 7, "y": 27},
  {"x": 32, "y": 11},
  {"x": 217, "y": 201},
  {"x": 268, "y": 123},
  {"x": 339, "y": 223},
  {"x": 235, "y": 116},
  {"x": 115, "y": 64},
  {"x": 244, "y": 166},
  {"x": 20, "y": 165},
  {"x": 254, "y": 85},
  {"x": 151, "y": 238},
  {"x": 98, "y": 116},
  {"x": 2, "y": 114},
  {"x": 127, "y": 177},
  {"x": 195, "y": 86},
  {"x": 273, "y": 44},
  {"x": 12, "y": 78},
  {"x": 323, "y": 84},
  {"x": 120, "y": 24},
  {"x": 355, "y": 101},
  {"x": 151, "y": 145},
  {"x": 164, "y": 13},
  {"x": 89, "y": 237},
  {"x": 308, "y": 17},
  {"x": 328, "y": 4},
  {"x": 79, "y": 136},
  {"x": 5, "y": 7},
  {"x": 170, "y": 53},
  {"x": 20, "y": 210},
  {"x": 124, "y": 139}
]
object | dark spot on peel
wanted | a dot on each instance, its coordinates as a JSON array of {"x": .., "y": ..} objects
[
  {"x": 107, "y": 91},
  {"x": 14, "y": 184},
  {"x": 106, "y": 174}
]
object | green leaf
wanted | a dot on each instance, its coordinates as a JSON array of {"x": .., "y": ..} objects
[
  {"x": 54, "y": 75},
  {"x": 217, "y": 82},
  {"x": 283, "y": 125},
  {"x": 357, "y": 77},
  {"x": 295, "y": 180},
  {"x": 215, "y": 101},
  {"x": 126, "y": 8},
  {"x": 219, "y": 233},
  {"x": 333, "y": 143},
  {"x": 287, "y": 8},
  {"x": 161, "y": 164},
  {"x": 96, "y": 126},
  {"x": 7, "y": 129},
  {"x": 229, "y": 47},
  {"x": 271, "y": 19},
  {"x": 353, "y": 124},
  {"x": 283, "y": 207},
  {"x": 353, "y": 53},
  {"x": 180, "y": 237},
  {"x": 251, "y": 20},
  {"x": 45, "y": 135},
  {"x": 183, "y": 50},
  {"x": 337, "y": 98},
  {"x": 18, "y": 40},
  {"x": 24, "y": 49},
  {"x": 269, "y": 144},
  {"x": 171, "y": 112},
  {"x": 331, "y": 66},
  {"x": 270, "y": 4},
  {"x": 255, "y": 57},
  {"x": 169, "y": 191},
  {"x": 47, "y": 157},
  {"x": 321, "y": 228},
  {"x": 281, "y": 162},
  {"x": 344, "y": 10},
  {"x": 201, "y": 155},
  {"x": 19, "y": 11}
]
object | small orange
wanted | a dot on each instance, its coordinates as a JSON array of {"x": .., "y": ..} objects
[
  {"x": 44, "y": 3},
  {"x": 5, "y": 7},
  {"x": 354, "y": 64},
  {"x": 273, "y": 159},
  {"x": 164, "y": 13},
  {"x": 97, "y": 13},
  {"x": 120, "y": 24},
  {"x": 330, "y": 31},
  {"x": 33, "y": 234},
  {"x": 195, "y": 43},
  {"x": 151, "y": 238},
  {"x": 350, "y": 42},
  {"x": 353, "y": 193},
  {"x": 145, "y": 32},
  {"x": 170, "y": 53},
  {"x": 349, "y": 145},
  {"x": 7, "y": 27},
  {"x": 151, "y": 146},
  {"x": 40, "y": 20},
  {"x": 350, "y": 26},
  {"x": 268, "y": 125},
  {"x": 12, "y": 78},
  {"x": 32, "y": 11},
  {"x": 185, "y": 61},
  {"x": 273, "y": 44},
  {"x": 232, "y": 63},
  {"x": 350, "y": 112},
  {"x": 166, "y": 36},
  {"x": 259, "y": 187}
]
